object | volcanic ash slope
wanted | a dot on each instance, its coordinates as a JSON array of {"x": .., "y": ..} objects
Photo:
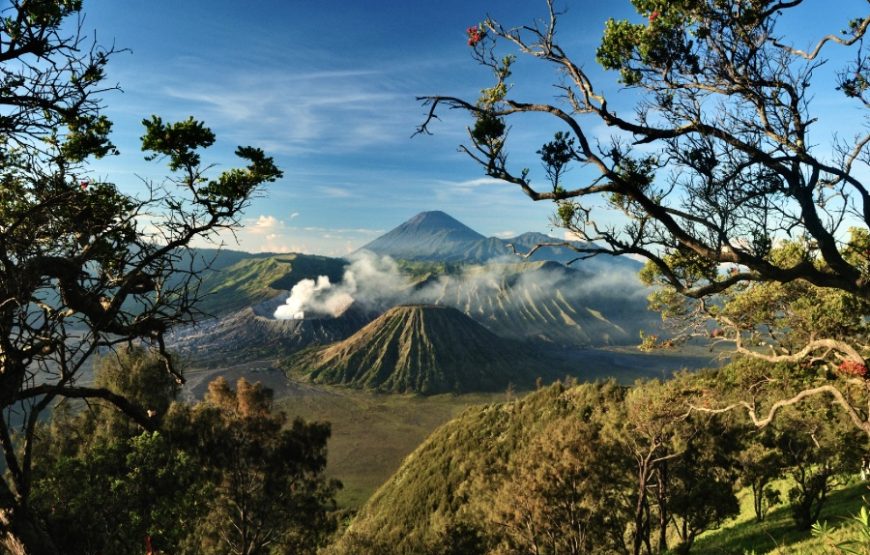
[{"x": 425, "y": 349}]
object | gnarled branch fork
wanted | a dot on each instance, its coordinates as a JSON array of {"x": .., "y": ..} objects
[{"x": 861, "y": 422}]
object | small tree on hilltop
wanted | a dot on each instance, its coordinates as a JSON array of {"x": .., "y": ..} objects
[
  {"x": 83, "y": 266},
  {"x": 714, "y": 168}
]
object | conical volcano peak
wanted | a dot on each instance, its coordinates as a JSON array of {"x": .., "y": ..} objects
[
  {"x": 434, "y": 235},
  {"x": 424, "y": 349},
  {"x": 438, "y": 221}
]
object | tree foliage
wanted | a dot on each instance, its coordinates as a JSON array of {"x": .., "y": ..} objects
[
  {"x": 588, "y": 468},
  {"x": 109, "y": 496},
  {"x": 565, "y": 493},
  {"x": 815, "y": 456},
  {"x": 84, "y": 266},
  {"x": 683, "y": 465},
  {"x": 267, "y": 490},
  {"x": 101, "y": 483},
  {"x": 759, "y": 465},
  {"x": 225, "y": 475},
  {"x": 602, "y": 468},
  {"x": 716, "y": 177}
]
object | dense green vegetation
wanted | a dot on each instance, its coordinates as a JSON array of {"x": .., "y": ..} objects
[
  {"x": 228, "y": 474},
  {"x": 475, "y": 485},
  {"x": 610, "y": 469}
]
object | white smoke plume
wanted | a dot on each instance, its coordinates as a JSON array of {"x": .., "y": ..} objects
[
  {"x": 310, "y": 296},
  {"x": 377, "y": 283},
  {"x": 371, "y": 281}
]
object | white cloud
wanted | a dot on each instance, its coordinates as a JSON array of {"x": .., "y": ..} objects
[
  {"x": 505, "y": 234},
  {"x": 335, "y": 192},
  {"x": 264, "y": 225},
  {"x": 473, "y": 183},
  {"x": 294, "y": 215},
  {"x": 266, "y": 233},
  {"x": 298, "y": 113},
  {"x": 341, "y": 230}
]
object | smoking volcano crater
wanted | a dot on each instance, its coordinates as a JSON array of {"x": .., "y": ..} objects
[{"x": 256, "y": 332}]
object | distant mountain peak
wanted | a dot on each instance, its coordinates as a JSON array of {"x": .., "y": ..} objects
[
  {"x": 437, "y": 236},
  {"x": 438, "y": 221},
  {"x": 432, "y": 235}
]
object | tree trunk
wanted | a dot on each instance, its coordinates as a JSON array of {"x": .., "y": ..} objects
[
  {"x": 663, "y": 506},
  {"x": 638, "y": 512},
  {"x": 21, "y": 533},
  {"x": 647, "y": 532},
  {"x": 758, "y": 500}
]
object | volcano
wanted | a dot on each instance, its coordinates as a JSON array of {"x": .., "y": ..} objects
[
  {"x": 424, "y": 349},
  {"x": 253, "y": 333},
  {"x": 436, "y": 235}
]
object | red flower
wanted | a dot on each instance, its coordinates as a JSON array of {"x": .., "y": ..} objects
[
  {"x": 84, "y": 184},
  {"x": 852, "y": 368},
  {"x": 475, "y": 35},
  {"x": 653, "y": 16}
]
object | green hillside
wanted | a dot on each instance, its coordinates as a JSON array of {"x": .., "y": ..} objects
[
  {"x": 258, "y": 278},
  {"x": 463, "y": 479},
  {"x": 452, "y": 475},
  {"x": 423, "y": 349}
]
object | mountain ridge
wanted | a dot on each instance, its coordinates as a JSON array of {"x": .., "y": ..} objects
[
  {"x": 534, "y": 299},
  {"x": 437, "y": 236}
]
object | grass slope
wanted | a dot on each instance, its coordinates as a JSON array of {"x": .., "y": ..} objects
[
  {"x": 423, "y": 349},
  {"x": 777, "y": 534},
  {"x": 453, "y": 474},
  {"x": 460, "y": 464}
]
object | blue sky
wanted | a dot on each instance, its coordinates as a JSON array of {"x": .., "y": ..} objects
[{"x": 328, "y": 88}]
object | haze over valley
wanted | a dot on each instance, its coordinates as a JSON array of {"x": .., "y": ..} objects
[
  {"x": 309, "y": 300},
  {"x": 431, "y": 308}
]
